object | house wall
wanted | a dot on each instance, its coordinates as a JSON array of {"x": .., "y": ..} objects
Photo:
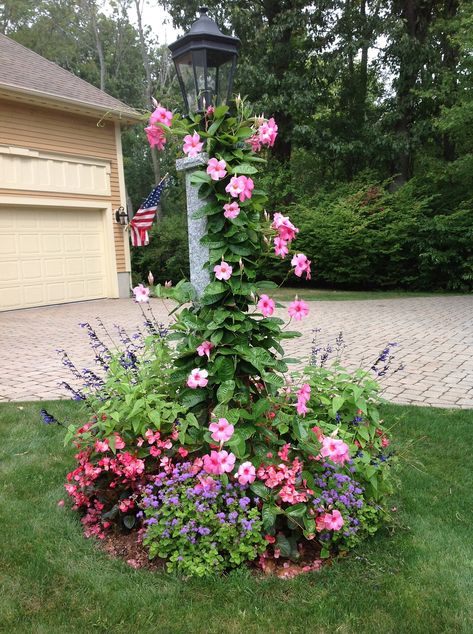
[{"x": 35, "y": 128}]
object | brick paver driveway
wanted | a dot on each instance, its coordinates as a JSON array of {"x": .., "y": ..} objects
[{"x": 434, "y": 336}]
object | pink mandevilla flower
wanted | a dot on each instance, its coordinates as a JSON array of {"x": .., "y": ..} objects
[
  {"x": 234, "y": 187},
  {"x": 216, "y": 169},
  {"x": 141, "y": 293},
  {"x": 246, "y": 473},
  {"x": 266, "y": 305},
  {"x": 192, "y": 145},
  {"x": 267, "y": 132},
  {"x": 161, "y": 115},
  {"x": 197, "y": 378},
  {"x": 156, "y": 137},
  {"x": 298, "y": 309},
  {"x": 335, "y": 449},
  {"x": 219, "y": 462},
  {"x": 205, "y": 348},
  {"x": 280, "y": 247},
  {"x": 303, "y": 396},
  {"x": 287, "y": 231},
  {"x": 247, "y": 187},
  {"x": 330, "y": 521},
  {"x": 301, "y": 264},
  {"x": 222, "y": 431},
  {"x": 231, "y": 210},
  {"x": 223, "y": 271}
]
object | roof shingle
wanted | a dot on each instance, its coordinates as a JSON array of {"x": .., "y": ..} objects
[{"x": 25, "y": 70}]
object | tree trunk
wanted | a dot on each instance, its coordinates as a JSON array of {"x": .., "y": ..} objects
[
  {"x": 450, "y": 55},
  {"x": 149, "y": 83},
  {"x": 92, "y": 11}
]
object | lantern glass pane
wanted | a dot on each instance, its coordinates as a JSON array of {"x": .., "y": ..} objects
[
  {"x": 225, "y": 72},
  {"x": 188, "y": 80}
]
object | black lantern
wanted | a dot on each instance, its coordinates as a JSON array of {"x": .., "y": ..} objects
[{"x": 205, "y": 61}]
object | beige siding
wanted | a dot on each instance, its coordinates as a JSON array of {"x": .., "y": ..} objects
[{"x": 55, "y": 131}]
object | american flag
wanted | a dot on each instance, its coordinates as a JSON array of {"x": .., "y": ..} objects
[{"x": 143, "y": 219}]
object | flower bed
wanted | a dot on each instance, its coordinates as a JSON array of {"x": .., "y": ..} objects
[{"x": 212, "y": 450}]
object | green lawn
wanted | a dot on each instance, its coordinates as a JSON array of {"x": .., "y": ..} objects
[
  {"x": 417, "y": 578},
  {"x": 286, "y": 294}
]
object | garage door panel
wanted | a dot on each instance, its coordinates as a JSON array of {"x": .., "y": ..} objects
[{"x": 62, "y": 260}]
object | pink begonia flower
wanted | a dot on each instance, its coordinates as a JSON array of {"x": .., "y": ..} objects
[
  {"x": 280, "y": 247},
  {"x": 101, "y": 446},
  {"x": 298, "y": 309},
  {"x": 267, "y": 132},
  {"x": 301, "y": 264},
  {"x": 335, "y": 449},
  {"x": 216, "y": 169},
  {"x": 141, "y": 293},
  {"x": 223, "y": 271},
  {"x": 330, "y": 521},
  {"x": 234, "y": 187},
  {"x": 247, "y": 186},
  {"x": 197, "y": 378},
  {"x": 156, "y": 137},
  {"x": 246, "y": 473},
  {"x": 205, "y": 348},
  {"x": 161, "y": 115},
  {"x": 219, "y": 462},
  {"x": 231, "y": 210},
  {"x": 192, "y": 145},
  {"x": 221, "y": 431},
  {"x": 119, "y": 442},
  {"x": 152, "y": 436},
  {"x": 266, "y": 305}
]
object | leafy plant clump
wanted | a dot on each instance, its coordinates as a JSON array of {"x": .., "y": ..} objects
[{"x": 212, "y": 447}]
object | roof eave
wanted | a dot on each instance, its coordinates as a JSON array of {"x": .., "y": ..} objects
[{"x": 72, "y": 105}]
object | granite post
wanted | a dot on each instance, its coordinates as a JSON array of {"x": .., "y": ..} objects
[{"x": 197, "y": 228}]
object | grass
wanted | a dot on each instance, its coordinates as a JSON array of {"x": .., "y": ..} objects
[
  {"x": 286, "y": 294},
  {"x": 417, "y": 578}
]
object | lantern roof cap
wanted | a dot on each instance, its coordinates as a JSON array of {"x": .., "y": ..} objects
[{"x": 204, "y": 28}]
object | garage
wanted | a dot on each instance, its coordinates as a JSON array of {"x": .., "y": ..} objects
[{"x": 51, "y": 256}]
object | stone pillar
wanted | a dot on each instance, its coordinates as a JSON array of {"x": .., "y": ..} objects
[{"x": 197, "y": 228}]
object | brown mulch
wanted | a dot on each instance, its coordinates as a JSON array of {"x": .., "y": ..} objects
[{"x": 129, "y": 547}]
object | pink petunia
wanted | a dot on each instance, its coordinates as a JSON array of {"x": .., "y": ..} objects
[
  {"x": 246, "y": 473},
  {"x": 222, "y": 431},
  {"x": 161, "y": 115},
  {"x": 301, "y": 264},
  {"x": 205, "y": 348},
  {"x": 266, "y": 305},
  {"x": 156, "y": 137},
  {"x": 223, "y": 271},
  {"x": 141, "y": 293},
  {"x": 231, "y": 210},
  {"x": 197, "y": 378},
  {"x": 335, "y": 449},
  {"x": 192, "y": 145},
  {"x": 216, "y": 169},
  {"x": 298, "y": 309}
]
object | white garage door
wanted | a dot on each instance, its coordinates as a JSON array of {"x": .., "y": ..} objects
[{"x": 50, "y": 256}]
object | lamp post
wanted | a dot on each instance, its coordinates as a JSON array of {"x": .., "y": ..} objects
[{"x": 205, "y": 61}]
